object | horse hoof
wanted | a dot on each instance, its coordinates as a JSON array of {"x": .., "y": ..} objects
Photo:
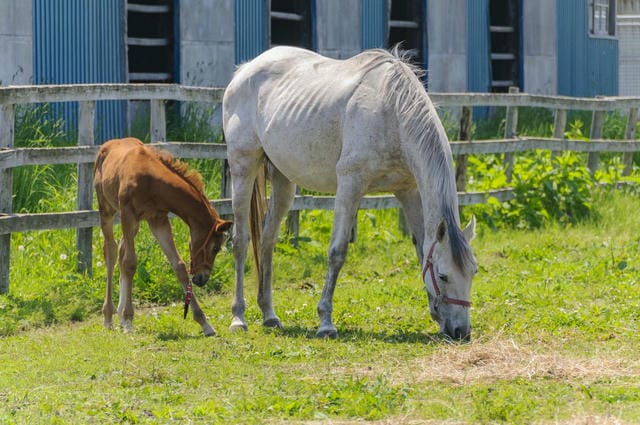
[
  {"x": 330, "y": 333},
  {"x": 108, "y": 325},
  {"x": 272, "y": 323},
  {"x": 209, "y": 332},
  {"x": 237, "y": 326}
]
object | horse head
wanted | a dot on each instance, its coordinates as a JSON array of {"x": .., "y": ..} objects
[
  {"x": 204, "y": 248},
  {"x": 447, "y": 275}
]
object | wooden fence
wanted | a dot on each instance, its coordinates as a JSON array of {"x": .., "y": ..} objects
[{"x": 84, "y": 218}]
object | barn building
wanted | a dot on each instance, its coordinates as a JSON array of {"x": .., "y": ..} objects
[{"x": 567, "y": 47}]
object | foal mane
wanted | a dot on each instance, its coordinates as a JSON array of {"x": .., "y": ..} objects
[
  {"x": 183, "y": 170},
  {"x": 419, "y": 122}
]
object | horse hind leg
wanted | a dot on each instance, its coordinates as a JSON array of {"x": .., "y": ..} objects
[
  {"x": 110, "y": 252},
  {"x": 161, "y": 229},
  {"x": 282, "y": 193}
]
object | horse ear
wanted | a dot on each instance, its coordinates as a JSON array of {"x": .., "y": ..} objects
[
  {"x": 469, "y": 232},
  {"x": 441, "y": 233},
  {"x": 223, "y": 225}
]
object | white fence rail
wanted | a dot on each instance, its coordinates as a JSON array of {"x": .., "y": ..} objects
[{"x": 84, "y": 218}]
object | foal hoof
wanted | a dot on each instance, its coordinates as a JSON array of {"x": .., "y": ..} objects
[
  {"x": 328, "y": 332},
  {"x": 209, "y": 331},
  {"x": 272, "y": 323}
]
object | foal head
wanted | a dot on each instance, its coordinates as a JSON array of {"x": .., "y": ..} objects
[
  {"x": 448, "y": 271},
  {"x": 203, "y": 249}
]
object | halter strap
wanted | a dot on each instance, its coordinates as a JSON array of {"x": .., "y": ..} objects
[
  {"x": 187, "y": 299},
  {"x": 428, "y": 265},
  {"x": 201, "y": 250},
  {"x": 189, "y": 289}
]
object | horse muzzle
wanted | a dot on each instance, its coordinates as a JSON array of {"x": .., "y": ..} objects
[
  {"x": 200, "y": 279},
  {"x": 456, "y": 333}
]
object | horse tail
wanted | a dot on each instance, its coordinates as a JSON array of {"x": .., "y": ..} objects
[{"x": 257, "y": 214}]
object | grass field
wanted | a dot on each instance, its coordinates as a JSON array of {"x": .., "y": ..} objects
[{"x": 555, "y": 337}]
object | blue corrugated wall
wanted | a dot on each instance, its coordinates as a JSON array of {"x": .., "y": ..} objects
[
  {"x": 587, "y": 66},
  {"x": 478, "y": 51},
  {"x": 250, "y": 29},
  {"x": 81, "y": 41},
  {"x": 374, "y": 24}
]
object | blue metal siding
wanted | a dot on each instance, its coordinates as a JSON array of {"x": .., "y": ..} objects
[
  {"x": 587, "y": 66},
  {"x": 250, "y": 29},
  {"x": 79, "y": 41},
  {"x": 374, "y": 24},
  {"x": 478, "y": 49}
]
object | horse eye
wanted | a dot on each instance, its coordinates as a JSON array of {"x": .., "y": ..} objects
[{"x": 443, "y": 277}]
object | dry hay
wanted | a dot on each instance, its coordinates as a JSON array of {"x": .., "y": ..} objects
[
  {"x": 504, "y": 359},
  {"x": 399, "y": 420}
]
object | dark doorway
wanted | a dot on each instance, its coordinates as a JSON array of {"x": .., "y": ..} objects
[
  {"x": 504, "y": 44},
  {"x": 291, "y": 23},
  {"x": 150, "y": 41},
  {"x": 406, "y": 27}
]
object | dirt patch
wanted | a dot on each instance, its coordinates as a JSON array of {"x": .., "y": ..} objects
[{"x": 499, "y": 359}]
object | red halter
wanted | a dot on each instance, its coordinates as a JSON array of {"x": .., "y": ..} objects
[
  {"x": 189, "y": 289},
  {"x": 202, "y": 248},
  {"x": 439, "y": 297}
]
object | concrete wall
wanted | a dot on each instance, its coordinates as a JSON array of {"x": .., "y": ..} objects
[
  {"x": 539, "y": 41},
  {"x": 628, "y": 30},
  {"x": 16, "y": 42},
  {"x": 338, "y": 27},
  {"x": 206, "y": 42},
  {"x": 628, "y": 7},
  {"x": 447, "y": 40}
]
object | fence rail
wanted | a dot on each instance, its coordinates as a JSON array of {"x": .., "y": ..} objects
[{"x": 84, "y": 218}]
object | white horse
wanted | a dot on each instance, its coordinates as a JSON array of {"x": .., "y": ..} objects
[{"x": 349, "y": 127}]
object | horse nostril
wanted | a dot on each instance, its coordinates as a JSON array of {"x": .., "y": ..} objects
[
  {"x": 462, "y": 334},
  {"x": 200, "y": 279}
]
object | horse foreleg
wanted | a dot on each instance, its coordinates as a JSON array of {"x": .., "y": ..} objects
[
  {"x": 282, "y": 192},
  {"x": 128, "y": 263},
  {"x": 412, "y": 209},
  {"x": 161, "y": 229},
  {"x": 346, "y": 208},
  {"x": 110, "y": 251}
]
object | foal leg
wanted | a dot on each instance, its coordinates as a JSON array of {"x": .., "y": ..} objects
[
  {"x": 412, "y": 209},
  {"x": 282, "y": 192},
  {"x": 161, "y": 229},
  {"x": 348, "y": 196},
  {"x": 110, "y": 251},
  {"x": 128, "y": 263}
]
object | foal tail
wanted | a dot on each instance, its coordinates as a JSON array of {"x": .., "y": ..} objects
[{"x": 257, "y": 214}]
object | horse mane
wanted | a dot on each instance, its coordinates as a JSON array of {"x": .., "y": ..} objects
[
  {"x": 419, "y": 122},
  {"x": 181, "y": 169}
]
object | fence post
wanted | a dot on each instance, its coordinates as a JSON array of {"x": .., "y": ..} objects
[
  {"x": 510, "y": 129},
  {"x": 597, "y": 123},
  {"x": 7, "y": 120},
  {"x": 466, "y": 120},
  {"x": 84, "y": 235},
  {"x": 158, "y": 121},
  {"x": 629, "y": 134},
  {"x": 559, "y": 125}
]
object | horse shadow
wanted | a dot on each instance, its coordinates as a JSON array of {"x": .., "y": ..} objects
[{"x": 357, "y": 334}]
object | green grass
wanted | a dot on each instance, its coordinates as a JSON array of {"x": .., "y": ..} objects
[{"x": 555, "y": 334}]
